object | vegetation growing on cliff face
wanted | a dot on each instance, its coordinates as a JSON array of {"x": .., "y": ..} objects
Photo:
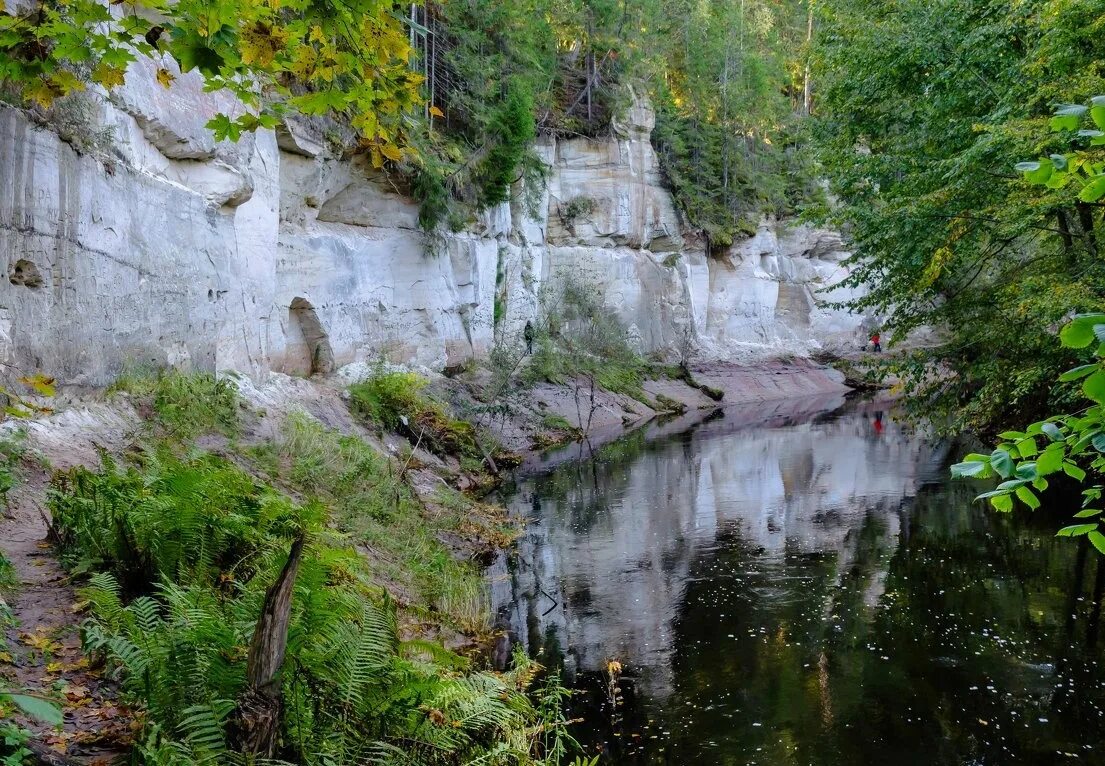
[
  {"x": 348, "y": 59},
  {"x": 923, "y": 111},
  {"x": 727, "y": 78},
  {"x": 178, "y": 549},
  {"x": 451, "y": 95},
  {"x": 578, "y": 339}
]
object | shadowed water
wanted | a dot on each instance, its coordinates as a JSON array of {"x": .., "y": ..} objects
[{"x": 801, "y": 584}]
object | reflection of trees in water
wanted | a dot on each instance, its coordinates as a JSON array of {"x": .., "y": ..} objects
[{"x": 972, "y": 640}]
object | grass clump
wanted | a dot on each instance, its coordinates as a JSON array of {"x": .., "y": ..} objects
[
  {"x": 185, "y": 404},
  {"x": 12, "y": 448},
  {"x": 371, "y": 502},
  {"x": 396, "y": 402},
  {"x": 180, "y": 550}
]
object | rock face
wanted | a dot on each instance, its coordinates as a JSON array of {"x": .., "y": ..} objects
[{"x": 273, "y": 254}]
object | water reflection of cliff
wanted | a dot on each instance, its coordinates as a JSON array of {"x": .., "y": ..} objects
[{"x": 615, "y": 544}]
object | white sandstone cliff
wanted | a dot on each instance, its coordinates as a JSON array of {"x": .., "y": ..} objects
[{"x": 271, "y": 253}]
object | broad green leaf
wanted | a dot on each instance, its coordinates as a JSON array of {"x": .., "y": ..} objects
[
  {"x": 1052, "y": 431},
  {"x": 1075, "y": 530},
  {"x": 1028, "y": 497},
  {"x": 37, "y": 708},
  {"x": 1042, "y": 175},
  {"x": 1059, "y": 161},
  {"x": 1026, "y": 167},
  {"x": 1094, "y": 386},
  {"x": 1050, "y": 460},
  {"x": 1027, "y": 447},
  {"x": 1098, "y": 541},
  {"x": 1097, "y": 113},
  {"x": 1073, "y": 471},
  {"x": 1002, "y": 462},
  {"x": 968, "y": 468},
  {"x": 1088, "y": 513},
  {"x": 1094, "y": 190},
  {"x": 1026, "y": 472},
  {"x": 1076, "y": 335},
  {"x": 1003, "y": 503},
  {"x": 1077, "y": 373},
  {"x": 1076, "y": 110},
  {"x": 1064, "y": 122}
]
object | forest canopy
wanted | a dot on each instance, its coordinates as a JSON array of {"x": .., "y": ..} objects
[
  {"x": 925, "y": 111},
  {"x": 912, "y": 114},
  {"x": 451, "y": 95}
]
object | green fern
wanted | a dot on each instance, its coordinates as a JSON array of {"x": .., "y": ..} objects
[{"x": 180, "y": 552}]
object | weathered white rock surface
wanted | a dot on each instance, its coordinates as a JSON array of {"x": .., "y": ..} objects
[
  {"x": 272, "y": 254},
  {"x": 605, "y": 565}
]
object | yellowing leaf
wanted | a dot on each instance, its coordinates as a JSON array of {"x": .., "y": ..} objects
[
  {"x": 42, "y": 384},
  {"x": 108, "y": 76},
  {"x": 435, "y": 112},
  {"x": 66, "y": 81},
  {"x": 165, "y": 77},
  {"x": 391, "y": 152},
  {"x": 41, "y": 92}
]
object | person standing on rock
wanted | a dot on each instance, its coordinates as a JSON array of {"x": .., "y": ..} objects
[
  {"x": 528, "y": 335},
  {"x": 876, "y": 341}
]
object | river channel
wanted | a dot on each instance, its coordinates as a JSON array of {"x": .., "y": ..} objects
[{"x": 800, "y": 583}]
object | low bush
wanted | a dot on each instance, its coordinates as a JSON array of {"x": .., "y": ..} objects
[
  {"x": 181, "y": 551},
  {"x": 578, "y": 337},
  {"x": 185, "y": 404},
  {"x": 395, "y": 401}
]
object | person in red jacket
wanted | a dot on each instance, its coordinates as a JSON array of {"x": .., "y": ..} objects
[{"x": 876, "y": 341}]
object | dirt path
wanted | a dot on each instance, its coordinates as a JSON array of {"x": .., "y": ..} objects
[
  {"x": 41, "y": 652},
  {"x": 43, "y": 649}
]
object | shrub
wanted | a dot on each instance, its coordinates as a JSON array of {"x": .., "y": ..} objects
[
  {"x": 394, "y": 400},
  {"x": 578, "y": 338},
  {"x": 208, "y": 541},
  {"x": 185, "y": 404}
]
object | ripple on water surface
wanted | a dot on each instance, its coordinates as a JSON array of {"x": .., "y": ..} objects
[{"x": 806, "y": 588}]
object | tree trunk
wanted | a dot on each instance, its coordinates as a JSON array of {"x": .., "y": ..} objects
[
  {"x": 807, "y": 85},
  {"x": 1085, "y": 219},
  {"x": 1064, "y": 233},
  {"x": 255, "y": 725}
]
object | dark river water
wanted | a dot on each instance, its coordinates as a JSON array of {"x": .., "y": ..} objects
[{"x": 799, "y": 583}]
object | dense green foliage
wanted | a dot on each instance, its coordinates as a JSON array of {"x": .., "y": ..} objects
[
  {"x": 395, "y": 401},
  {"x": 348, "y": 59},
  {"x": 726, "y": 77},
  {"x": 180, "y": 546},
  {"x": 1072, "y": 444},
  {"x": 730, "y": 92},
  {"x": 924, "y": 109}
]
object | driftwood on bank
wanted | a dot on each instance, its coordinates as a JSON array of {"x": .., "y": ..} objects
[{"x": 255, "y": 725}]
